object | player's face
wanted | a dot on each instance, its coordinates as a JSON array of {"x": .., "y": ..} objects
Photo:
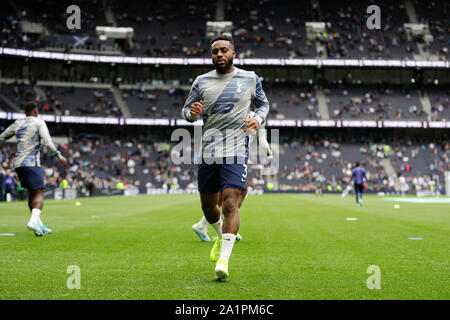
[{"x": 222, "y": 54}]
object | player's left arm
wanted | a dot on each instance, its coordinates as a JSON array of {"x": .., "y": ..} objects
[{"x": 261, "y": 107}]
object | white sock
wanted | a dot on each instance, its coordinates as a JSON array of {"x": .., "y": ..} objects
[
  {"x": 218, "y": 227},
  {"x": 227, "y": 245},
  {"x": 36, "y": 216},
  {"x": 203, "y": 223}
]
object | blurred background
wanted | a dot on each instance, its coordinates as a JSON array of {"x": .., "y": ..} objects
[{"x": 112, "y": 91}]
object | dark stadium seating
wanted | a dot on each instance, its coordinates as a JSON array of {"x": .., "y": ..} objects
[
  {"x": 274, "y": 29},
  {"x": 155, "y": 103},
  {"x": 352, "y": 39},
  {"x": 436, "y": 16},
  {"x": 167, "y": 27},
  {"x": 262, "y": 29},
  {"x": 440, "y": 103},
  {"x": 288, "y": 101},
  {"x": 374, "y": 103},
  {"x": 17, "y": 93},
  {"x": 82, "y": 101},
  {"x": 143, "y": 162}
]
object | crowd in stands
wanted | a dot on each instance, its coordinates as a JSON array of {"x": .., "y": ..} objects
[
  {"x": 166, "y": 28},
  {"x": 435, "y": 15},
  {"x": 63, "y": 100},
  {"x": 440, "y": 104},
  {"x": 305, "y": 164},
  {"x": 306, "y": 160},
  {"x": 80, "y": 101},
  {"x": 412, "y": 159},
  {"x": 155, "y": 103},
  {"x": 261, "y": 28},
  {"x": 374, "y": 103},
  {"x": 347, "y": 34},
  {"x": 102, "y": 163}
]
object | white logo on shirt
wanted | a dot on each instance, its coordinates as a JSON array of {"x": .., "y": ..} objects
[{"x": 239, "y": 87}]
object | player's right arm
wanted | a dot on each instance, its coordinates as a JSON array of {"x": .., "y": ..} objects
[
  {"x": 47, "y": 141},
  {"x": 193, "y": 106},
  {"x": 8, "y": 133}
]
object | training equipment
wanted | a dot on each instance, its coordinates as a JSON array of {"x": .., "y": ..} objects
[
  {"x": 221, "y": 270},
  {"x": 214, "y": 254}
]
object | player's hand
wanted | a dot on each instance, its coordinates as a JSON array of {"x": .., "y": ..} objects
[
  {"x": 196, "y": 109},
  {"x": 64, "y": 161},
  {"x": 252, "y": 126}
]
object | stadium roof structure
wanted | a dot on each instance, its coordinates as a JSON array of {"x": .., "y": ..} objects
[{"x": 207, "y": 61}]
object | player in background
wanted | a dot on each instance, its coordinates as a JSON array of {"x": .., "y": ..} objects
[
  {"x": 2, "y": 176},
  {"x": 224, "y": 96},
  {"x": 9, "y": 185},
  {"x": 201, "y": 227},
  {"x": 320, "y": 182},
  {"x": 358, "y": 178},
  {"x": 32, "y": 134}
]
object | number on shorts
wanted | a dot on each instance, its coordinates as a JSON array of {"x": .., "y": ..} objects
[{"x": 244, "y": 175}]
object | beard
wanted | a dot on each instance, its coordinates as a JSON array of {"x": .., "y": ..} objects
[{"x": 222, "y": 69}]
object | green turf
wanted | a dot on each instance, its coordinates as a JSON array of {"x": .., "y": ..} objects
[{"x": 294, "y": 247}]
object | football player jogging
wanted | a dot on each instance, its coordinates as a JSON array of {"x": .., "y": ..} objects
[
  {"x": 224, "y": 96},
  {"x": 201, "y": 227},
  {"x": 32, "y": 134},
  {"x": 358, "y": 177}
]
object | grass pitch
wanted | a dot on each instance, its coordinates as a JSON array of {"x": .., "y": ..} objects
[{"x": 295, "y": 247}]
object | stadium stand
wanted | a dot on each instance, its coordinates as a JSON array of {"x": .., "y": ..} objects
[
  {"x": 145, "y": 162},
  {"x": 167, "y": 27},
  {"x": 80, "y": 101},
  {"x": 156, "y": 103},
  {"x": 271, "y": 28},
  {"x": 374, "y": 103},
  {"x": 348, "y": 36},
  {"x": 288, "y": 101},
  {"x": 440, "y": 103},
  {"x": 262, "y": 28},
  {"x": 436, "y": 17}
]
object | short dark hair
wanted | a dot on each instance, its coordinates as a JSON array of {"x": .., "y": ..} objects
[
  {"x": 221, "y": 37},
  {"x": 357, "y": 163},
  {"x": 30, "y": 106}
]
